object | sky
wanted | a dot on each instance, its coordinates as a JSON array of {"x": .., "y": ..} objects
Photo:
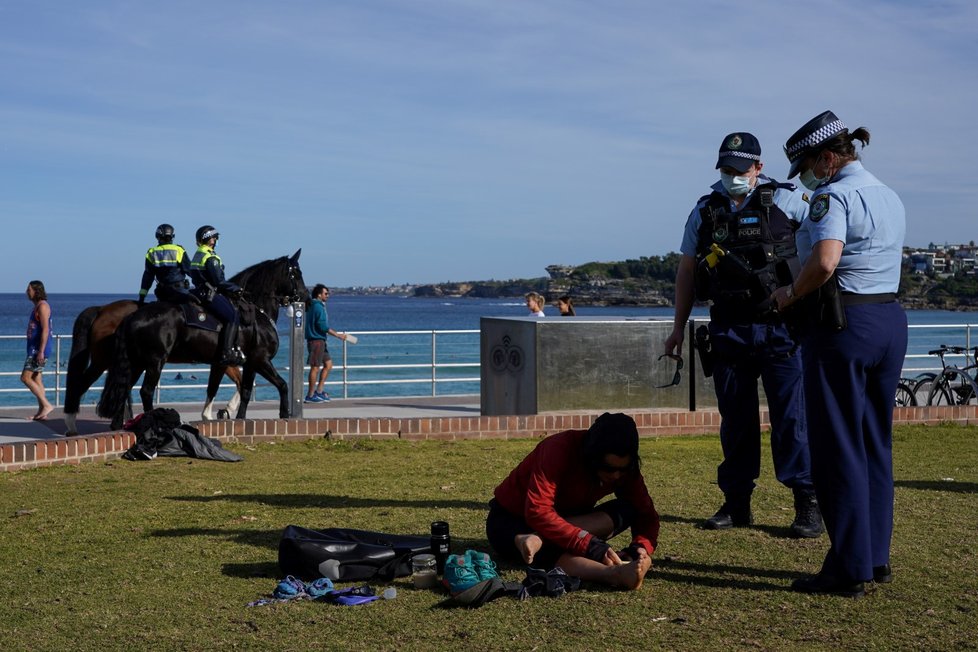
[{"x": 424, "y": 141}]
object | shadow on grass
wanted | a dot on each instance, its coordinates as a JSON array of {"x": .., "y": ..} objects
[
  {"x": 772, "y": 530},
  {"x": 335, "y": 502},
  {"x": 717, "y": 575},
  {"x": 940, "y": 485}
]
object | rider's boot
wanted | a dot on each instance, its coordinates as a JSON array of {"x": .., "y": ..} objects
[{"x": 231, "y": 355}]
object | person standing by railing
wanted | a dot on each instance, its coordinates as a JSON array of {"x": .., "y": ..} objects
[
  {"x": 317, "y": 328},
  {"x": 39, "y": 327}
]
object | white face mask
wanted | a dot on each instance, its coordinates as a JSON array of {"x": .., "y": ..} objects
[
  {"x": 808, "y": 178},
  {"x": 735, "y": 185}
]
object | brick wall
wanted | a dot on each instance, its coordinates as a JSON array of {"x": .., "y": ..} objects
[{"x": 651, "y": 423}]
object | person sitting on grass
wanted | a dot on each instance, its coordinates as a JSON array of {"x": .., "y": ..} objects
[{"x": 545, "y": 513}]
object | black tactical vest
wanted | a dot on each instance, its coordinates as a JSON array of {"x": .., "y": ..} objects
[{"x": 743, "y": 256}]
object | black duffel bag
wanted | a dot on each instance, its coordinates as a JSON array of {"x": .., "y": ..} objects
[{"x": 345, "y": 555}]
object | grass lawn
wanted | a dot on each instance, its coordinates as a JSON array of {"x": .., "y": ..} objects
[{"x": 165, "y": 555}]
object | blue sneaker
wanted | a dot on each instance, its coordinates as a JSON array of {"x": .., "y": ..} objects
[
  {"x": 459, "y": 574},
  {"x": 322, "y": 396},
  {"x": 312, "y": 399},
  {"x": 483, "y": 565}
]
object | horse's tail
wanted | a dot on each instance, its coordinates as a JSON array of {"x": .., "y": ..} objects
[
  {"x": 115, "y": 394},
  {"x": 79, "y": 357}
]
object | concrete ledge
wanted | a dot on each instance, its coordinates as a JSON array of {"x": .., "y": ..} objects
[{"x": 651, "y": 423}]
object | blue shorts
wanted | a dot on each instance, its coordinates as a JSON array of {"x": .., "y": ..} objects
[{"x": 31, "y": 364}]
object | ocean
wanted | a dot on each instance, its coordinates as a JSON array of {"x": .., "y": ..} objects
[{"x": 376, "y": 364}]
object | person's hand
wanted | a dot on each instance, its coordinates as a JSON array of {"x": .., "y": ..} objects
[
  {"x": 40, "y": 359},
  {"x": 674, "y": 343},
  {"x": 632, "y": 552},
  {"x": 611, "y": 558},
  {"x": 141, "y": 300},
  {"x": 783, "y": 297}
]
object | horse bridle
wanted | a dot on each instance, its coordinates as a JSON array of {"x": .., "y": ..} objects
[{"x": 294, "y": 283}]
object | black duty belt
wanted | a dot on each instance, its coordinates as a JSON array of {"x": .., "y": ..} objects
[{"x": 852, "y": 299}]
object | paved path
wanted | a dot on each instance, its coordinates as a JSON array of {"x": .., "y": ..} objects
[{"x": 16, "y": 426}]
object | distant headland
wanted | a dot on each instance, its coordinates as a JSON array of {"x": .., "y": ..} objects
[{"x": 937, "y": 278}]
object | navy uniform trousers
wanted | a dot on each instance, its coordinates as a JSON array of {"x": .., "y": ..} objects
[
  {"x": 743, "y": 353},
  {"x": 850, "y": 381}
]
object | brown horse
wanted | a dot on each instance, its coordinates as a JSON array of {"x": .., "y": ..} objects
[{"x": 92, "y": 350}]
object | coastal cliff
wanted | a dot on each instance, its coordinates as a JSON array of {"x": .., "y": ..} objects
[{"x": 650, "y": 281}]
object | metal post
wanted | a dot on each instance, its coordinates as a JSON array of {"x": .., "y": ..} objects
[{"x": 297, "y": 341}]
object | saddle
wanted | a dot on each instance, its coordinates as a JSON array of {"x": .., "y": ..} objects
[{"x": 197, "y": 317}]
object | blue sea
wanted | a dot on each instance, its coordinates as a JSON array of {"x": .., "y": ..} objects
[{"x": 375, "y": 366}]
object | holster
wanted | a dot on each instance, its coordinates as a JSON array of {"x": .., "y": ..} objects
[
  {"x": 704, "y": 349},
  {"x": 820, "y": 310}
]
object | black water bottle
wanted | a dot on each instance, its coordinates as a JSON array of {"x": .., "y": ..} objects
[{"x": 441, "y": 544}]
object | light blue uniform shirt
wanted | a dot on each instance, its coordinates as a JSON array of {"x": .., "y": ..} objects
[
  {"x": 856, "y": 209},
  {"x": 792, "y": 202}
]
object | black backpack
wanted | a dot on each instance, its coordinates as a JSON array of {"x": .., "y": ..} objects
[{"x": 345, "y": 555}]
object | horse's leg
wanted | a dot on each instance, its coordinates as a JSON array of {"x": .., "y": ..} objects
[
  {"x": 151, "y": 378},
  {"x": 213, "y": 384},
  {"x": 266, "y": 370},
  {"x": 74, "y": 390},
  {"x": 234, "y": 373},
  {"x": 247, "y": 385}
]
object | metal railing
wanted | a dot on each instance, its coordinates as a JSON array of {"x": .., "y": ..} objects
[
  {"x": 371, "y": 369},
  {"x": 363, "y": 371}
]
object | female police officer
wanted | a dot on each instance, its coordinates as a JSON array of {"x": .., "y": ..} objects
[{"x": 855, "y": 230}]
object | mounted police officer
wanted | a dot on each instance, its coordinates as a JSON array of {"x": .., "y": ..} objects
[
  {"x": 737, "y": 247},
  {"x": 213, "y": 290},
  {"x": 169, "y": 265}
]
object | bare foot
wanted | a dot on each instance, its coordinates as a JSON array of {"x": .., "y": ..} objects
[
  {"x": 528, "y": 545},
  {"x": 631, "y": 575},
  {"x": 43, "y": 413}
]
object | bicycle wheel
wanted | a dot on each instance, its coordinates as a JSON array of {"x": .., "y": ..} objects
[
  {"x": 905, "y": 395},
  {"x": 941, "y": 392}
]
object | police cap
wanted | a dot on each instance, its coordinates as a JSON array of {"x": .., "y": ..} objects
[
  {"x": 739, "y": 151},
  {"x": 813, "y": 133}
]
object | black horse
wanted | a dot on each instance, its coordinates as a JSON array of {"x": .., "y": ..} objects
[{"x": 159, "y": 331}]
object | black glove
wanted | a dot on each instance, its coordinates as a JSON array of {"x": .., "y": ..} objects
[
  {"x": 141, "y": 300},
  {"x": 597, "y": 549}
]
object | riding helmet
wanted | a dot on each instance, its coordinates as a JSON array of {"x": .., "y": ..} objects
[
  {"x": 164, "y": 233},
  {"x": 205, "y": 233}
]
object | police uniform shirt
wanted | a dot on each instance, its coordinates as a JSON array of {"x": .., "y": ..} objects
[
  {"x": 858, "y": 210},
  {"x": 792, "y": 202}
]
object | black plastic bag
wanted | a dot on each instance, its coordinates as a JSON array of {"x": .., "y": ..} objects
[{"x": 345, "y": 555}]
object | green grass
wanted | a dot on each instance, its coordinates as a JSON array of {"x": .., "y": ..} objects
[{"x": 165, "y": 555}]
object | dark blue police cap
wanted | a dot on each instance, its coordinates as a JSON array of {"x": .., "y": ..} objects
[
  {"x": 812, "y": 134},
  {"x": 739, "y": 151}
]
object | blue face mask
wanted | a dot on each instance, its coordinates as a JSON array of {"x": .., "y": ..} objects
[
  {"x": 808, "y": 178},
  {"x": 736, "y": 186}
]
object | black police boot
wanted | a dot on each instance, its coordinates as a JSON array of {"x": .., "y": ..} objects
[
  {"x": 231, "y": 355},
  {"x": 808, "y": 518},
  {"x": 829, "y": 584},
  {"x": 735, "y": 512}
]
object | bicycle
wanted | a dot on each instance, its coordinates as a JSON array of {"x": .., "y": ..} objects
[{"x": 953, "y": 385}]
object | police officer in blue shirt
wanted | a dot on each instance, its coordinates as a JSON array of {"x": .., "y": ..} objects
[
  {"x": 213, "y": 290},
  {"x": 737, "y": 248},
  {"x": 169, "y": 265},
  {"x": 854, "y": 232}
]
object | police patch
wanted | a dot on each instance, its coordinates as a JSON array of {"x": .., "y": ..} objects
[
  {"x": 820, "y": 206},
  {"x": 735, "y": 142}
]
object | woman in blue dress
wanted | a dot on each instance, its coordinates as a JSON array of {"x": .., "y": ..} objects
[{"x": 853, "y": 237}]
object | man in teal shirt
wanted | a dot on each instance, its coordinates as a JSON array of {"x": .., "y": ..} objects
[{"x": 317, "y": 328}]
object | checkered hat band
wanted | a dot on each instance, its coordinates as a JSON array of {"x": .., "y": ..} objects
[
  {"x": 753, "y": 157},
  {"x": 819, "y": 135}
]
